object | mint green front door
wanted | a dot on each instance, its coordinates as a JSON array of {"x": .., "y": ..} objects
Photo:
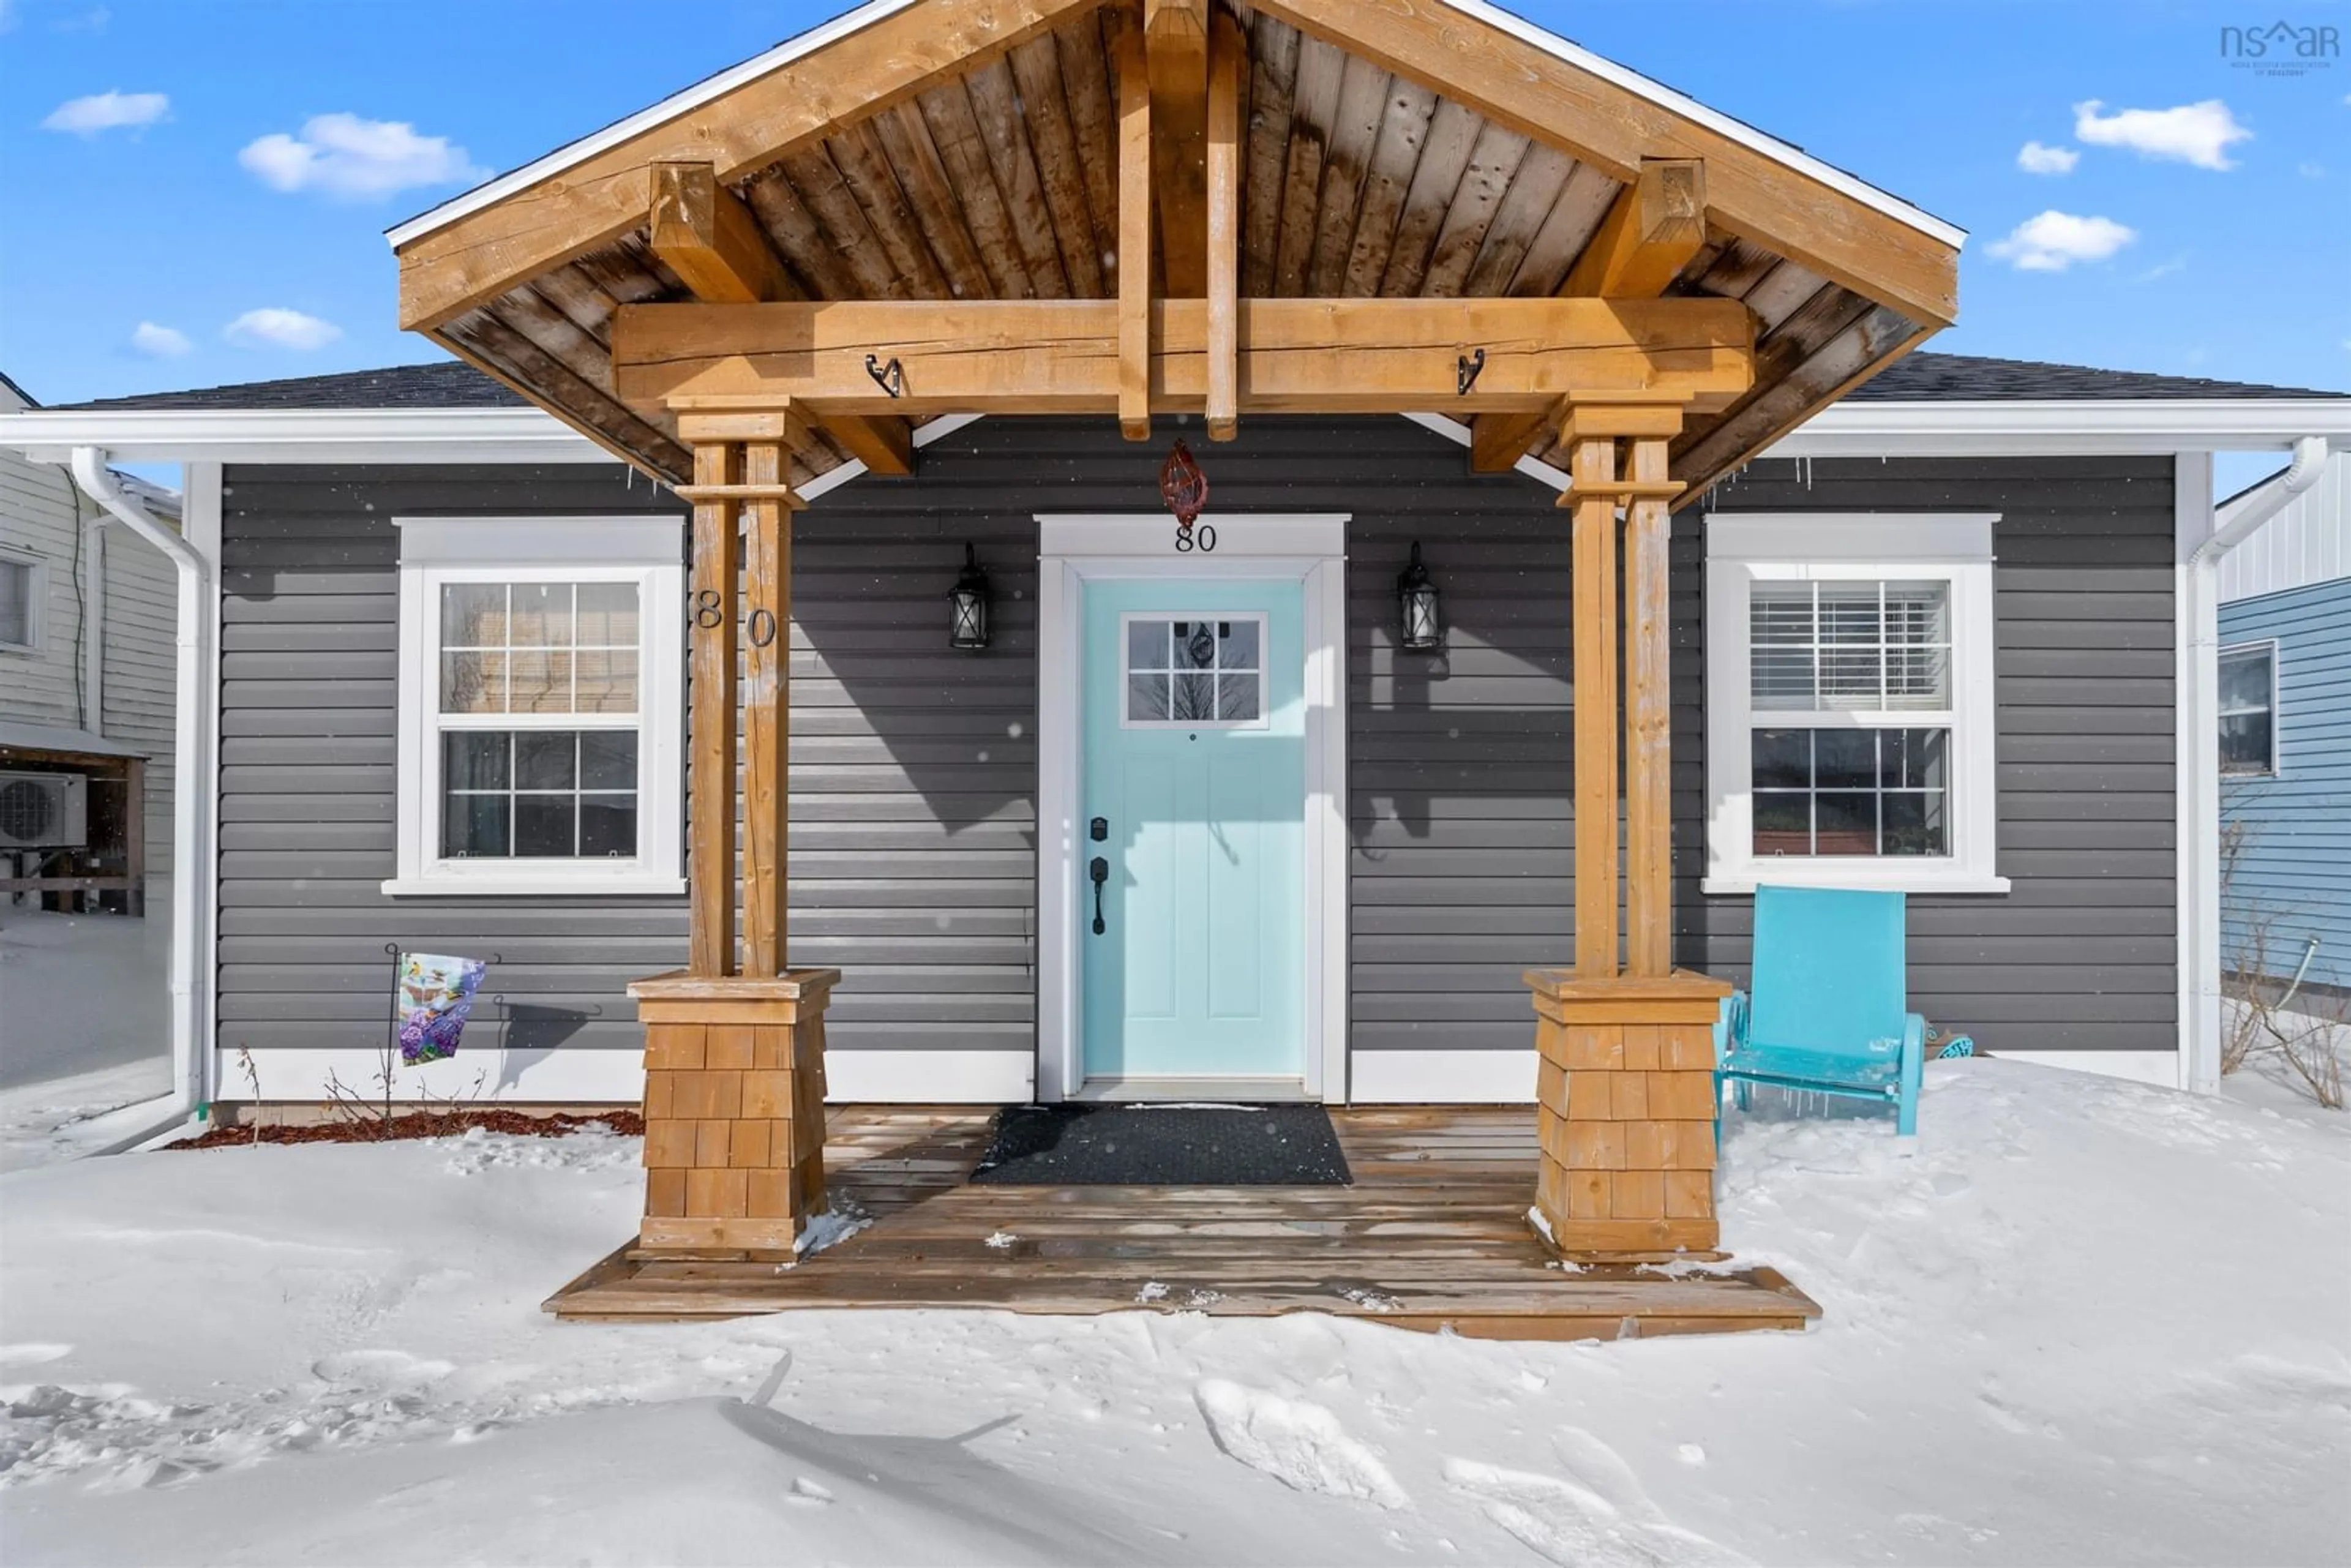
[{"x": 1192, "y": 851}]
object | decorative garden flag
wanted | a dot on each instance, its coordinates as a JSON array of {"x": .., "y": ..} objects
[{"x": 436, "y": 993}]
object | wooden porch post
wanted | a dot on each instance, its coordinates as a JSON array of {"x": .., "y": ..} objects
[
  {"x": 735, "y": 1058},
  {"x": 710, "y": 726},
  {"x": 1593, "y": 475},
  {"x": 1649, "y": 652},
  {"x": 1624, "y": 1087}
]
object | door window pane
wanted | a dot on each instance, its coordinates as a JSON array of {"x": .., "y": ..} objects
[{"x": 1214, "y": 671}]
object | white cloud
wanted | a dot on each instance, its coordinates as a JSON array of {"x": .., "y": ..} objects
[
  {"x": 2311, "y": 171},
  {"x": 2198, "y": 133},
  {"x": 273, "y": 328},
  {"x": 2035, "y": 159},
  {"x": 345, "y": 156},
  {"x": 108, "y": 112},
  {"x": 2055, "y": 240},
  {"x": 159, "y": 342},
  {"x": 2162, "y": 269}
]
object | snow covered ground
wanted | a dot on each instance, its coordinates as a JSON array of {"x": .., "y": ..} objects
[
  {"x": 84, "y": 1027},
  {"x": 2077, "y": 1320},
  {"x": 80, "y": 993}
]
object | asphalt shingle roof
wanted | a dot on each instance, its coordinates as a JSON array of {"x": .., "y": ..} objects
[{"x": 1922, "y": 377}]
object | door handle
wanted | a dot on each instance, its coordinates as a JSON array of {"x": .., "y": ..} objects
[{"x": 1100, "y": 872}]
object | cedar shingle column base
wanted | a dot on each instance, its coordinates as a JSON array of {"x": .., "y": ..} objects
[
  {"x": 734, "y": 1110},
  {"x": 1625, "y": 1108}
]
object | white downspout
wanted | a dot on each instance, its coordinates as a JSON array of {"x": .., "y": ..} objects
[
  {"x": 2199, "y": 933},
  {"x": 193, "y": 740}
]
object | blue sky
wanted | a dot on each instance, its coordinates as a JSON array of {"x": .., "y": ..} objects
[{"x": 213, "y": 176}]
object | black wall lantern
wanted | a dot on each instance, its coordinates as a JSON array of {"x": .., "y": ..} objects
[
  {"x": 968, "y": 606},
  {"x": 1423, "y": 628}
]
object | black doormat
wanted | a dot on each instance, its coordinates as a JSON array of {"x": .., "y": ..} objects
[{"x": 1163, "y": 1145}]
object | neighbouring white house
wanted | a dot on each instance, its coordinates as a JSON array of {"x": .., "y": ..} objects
[{"x": 87, "y": 673}]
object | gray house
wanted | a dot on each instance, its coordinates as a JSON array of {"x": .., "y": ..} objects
[{"x": 451, "y": 699}]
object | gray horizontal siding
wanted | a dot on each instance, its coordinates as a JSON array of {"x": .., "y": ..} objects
[
  {"x": 310, "y": 619},
  {"x": 2082, "y": 953},
  {"x": 914, "y": 769}
]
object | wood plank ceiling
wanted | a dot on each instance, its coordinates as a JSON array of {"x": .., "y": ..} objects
[{"x": 1001, "y": 183}]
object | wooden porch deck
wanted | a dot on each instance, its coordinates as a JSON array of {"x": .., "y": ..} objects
[{"x": 1433, "y": 1235}]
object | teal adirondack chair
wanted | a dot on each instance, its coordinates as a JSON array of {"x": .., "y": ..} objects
[{"x": 1830, "y": 1012}]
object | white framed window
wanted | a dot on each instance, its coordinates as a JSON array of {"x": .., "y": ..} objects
[
  {"x": 1849, "y": 699},
  {"x": 1183, "y": 672},
  {"x": 2249, "y": 716},
  {"x": 24, "y": 591},
  {"x": 541, "y": 706}
]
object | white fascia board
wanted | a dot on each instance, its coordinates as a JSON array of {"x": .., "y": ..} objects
[
  {"x": 620, "y": 130},
  {"x": 702, "y": 92},
  {"x": 2057, "y": 427},
  {"x": 301, "y": 435}
]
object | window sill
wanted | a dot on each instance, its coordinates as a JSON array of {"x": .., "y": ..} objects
[
  {"x": 624, "y": 884},
  {"x": 1871, "y": 878}
]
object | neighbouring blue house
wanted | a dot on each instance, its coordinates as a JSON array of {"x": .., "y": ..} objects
[{"x": 2285, "y": 742}]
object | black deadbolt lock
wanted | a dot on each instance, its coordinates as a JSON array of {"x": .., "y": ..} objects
[{"x": 1099, "y": 829}]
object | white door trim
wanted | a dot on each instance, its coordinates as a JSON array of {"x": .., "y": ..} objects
[{"x": 1307, "y": 548}]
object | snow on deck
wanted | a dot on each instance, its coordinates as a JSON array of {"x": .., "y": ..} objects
[{"x": 2075, "y": 1320}]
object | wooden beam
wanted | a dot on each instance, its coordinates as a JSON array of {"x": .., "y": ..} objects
[
  {"x": 1653, "y": 228},
  {"x": 1750, "y": 193},
  {"x": 1649, "y": 750},
  {"x": 884, "y": 442},
  {"x": 1135, "y": 358},
  {"x": 1608, "y": 414},
  {"x": 1224, "y": 56},
  {"x": 767, "y": 712},
  {"x": 704, "y": 233},
  {"x": 1592, "y": 463},
  {"x": 580, "y": 205},
  {"x": 1176, "y": 42},
  {"x": 710, "y": 723},
  {"x": 1133, "y": 364}
]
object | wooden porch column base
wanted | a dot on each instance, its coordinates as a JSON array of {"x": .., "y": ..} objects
[
  {"x": 734, "y": 1110},
  {"x": 1625, "y": 1111}
]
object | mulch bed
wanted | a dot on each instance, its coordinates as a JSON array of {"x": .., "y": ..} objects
[{"x": 418, "y": 1125}]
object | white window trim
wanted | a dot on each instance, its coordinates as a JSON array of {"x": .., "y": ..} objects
[
  {"x": 2221, "y": 710},
  {"x": 1743, "y": 550},
  {"x": 36, "y": 600},
  {"x": 647, "y": 551}
]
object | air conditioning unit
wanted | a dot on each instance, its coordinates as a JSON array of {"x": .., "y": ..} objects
[{"x": 43, "y": 811}]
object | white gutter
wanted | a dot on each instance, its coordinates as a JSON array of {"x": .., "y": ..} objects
[
  {"x": 300, "y": 435},
  {"x": 2224, "y": 529},
  {"x": 193, "y": 763},
  {"x": 2020, "y": 427},
  {"x": 2010, "y": 428}
]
